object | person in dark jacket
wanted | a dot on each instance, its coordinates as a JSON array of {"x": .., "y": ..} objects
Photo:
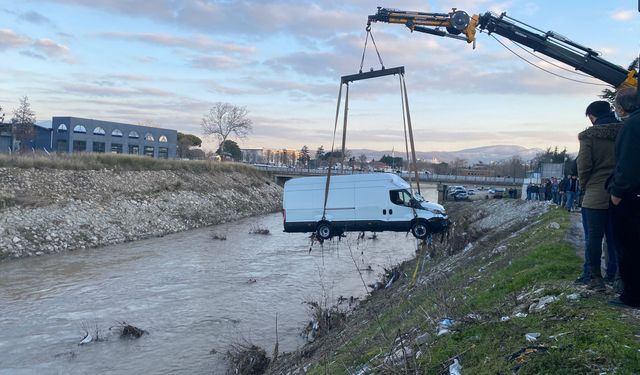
[
  {"x": 547, "y": 190},
  {"x": 562, "y": 187},
  {"x": 624, "y": 187},
  {"x": 595, "y": 162},
  {"x": 572, "y": 188}
]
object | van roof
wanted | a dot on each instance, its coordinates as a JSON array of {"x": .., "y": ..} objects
[{"x": 391, "y": 178}]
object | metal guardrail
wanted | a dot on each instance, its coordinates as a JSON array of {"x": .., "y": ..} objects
[{"x": 430, "y": 177}]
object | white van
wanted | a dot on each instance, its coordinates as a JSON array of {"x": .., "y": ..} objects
[{"x": 373, "y": 202}]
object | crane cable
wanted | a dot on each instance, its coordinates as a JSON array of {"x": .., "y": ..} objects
[
  {"x": 548, "y": 71},
  {"x": 369, "y": 33},
  {"x": 421, "y": 244},
  {"x": 551, "y": 62},
  {"x": 344, "y": 131}
]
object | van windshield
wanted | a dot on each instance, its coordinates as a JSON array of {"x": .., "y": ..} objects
[{"x": 418, "y": 197}]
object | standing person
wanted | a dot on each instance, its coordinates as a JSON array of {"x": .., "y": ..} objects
[
  {"x": 547, "y": 191},
  {"x": 624, "y": 187},
  {"x": 555, "y": 190},
  {"x": 562, "y": 186},
  {"x": 595, "y": 162},
  {"x": 572, "y": 189}
]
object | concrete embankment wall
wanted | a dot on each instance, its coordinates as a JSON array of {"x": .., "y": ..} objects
[{"x": 45, "y": 211}]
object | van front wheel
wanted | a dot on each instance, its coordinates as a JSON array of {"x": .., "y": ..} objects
[
  {"x": 420, "y": 230},
  {"x": 323, "y": 231}
]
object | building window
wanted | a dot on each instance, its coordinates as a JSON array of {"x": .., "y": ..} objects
[
  {"x": 163, "y": 153},
  {"x": 148, "y": 151},
  {"x": 116, "y": 133},
  {"x": 134, "y": 149},
  {"x": 98, "y": 146},
  {"x": 61, "y": 145},
  {"x": 134, "y": 134},
  {"x": 79, "y": 129},
  {"x": 79, "y": 146},
  {"x": 163, "y": 139},
  {"x": 62, "y": 128},
  {"x": 98, "y": 131},
  {"x": 148, "y": 137},
  {"x": 116, "y": 148}
]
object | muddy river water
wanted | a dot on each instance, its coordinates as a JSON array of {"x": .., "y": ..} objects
[{"x": 192, "y": 293}]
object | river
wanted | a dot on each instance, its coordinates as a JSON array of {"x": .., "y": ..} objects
[{"x": 192, "y": 293}]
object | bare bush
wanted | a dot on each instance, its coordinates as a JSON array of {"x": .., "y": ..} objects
[
  {"x": 247, "y": 359},
  {"x": 216, "y": 236},
  {"x": 128, "y": 331},
  {"x": 259, "y": 230},
  {"x": 323, "y": 319}
]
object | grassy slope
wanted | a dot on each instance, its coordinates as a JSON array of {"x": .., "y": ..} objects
[
  {"x": 595, "y": 337},
  {"x": 93, "y": 161}
]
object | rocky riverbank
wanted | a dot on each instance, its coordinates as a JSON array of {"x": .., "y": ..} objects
[{"x": 45, "y": 211}]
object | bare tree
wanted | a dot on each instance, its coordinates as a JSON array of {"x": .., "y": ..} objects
[
  {"x": 363, "y": 161},
  {"x": 1, "y": 115},
  {"x": 23, "y": 121},
  {"x": 458, "y": 164},
  {"x": 225, "y": 119}
]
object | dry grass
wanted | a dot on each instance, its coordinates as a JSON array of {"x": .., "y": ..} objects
[{"x": 118, "y": 162}]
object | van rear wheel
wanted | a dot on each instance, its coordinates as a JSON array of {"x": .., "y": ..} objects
[
  {"x": 420, "y": 230},
  {"x": 324, "y": 230}
]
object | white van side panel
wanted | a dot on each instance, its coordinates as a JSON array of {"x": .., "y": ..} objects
[
  {"x": 304, "y": 203},
  {"x": 355, "y": 203}
]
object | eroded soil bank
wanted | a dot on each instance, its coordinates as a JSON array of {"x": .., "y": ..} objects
[{"x": 45, "y": 211}]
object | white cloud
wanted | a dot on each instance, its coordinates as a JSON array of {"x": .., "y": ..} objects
[
  {"x": 214, "y": 62},
  {"x": 9, "y": 39},
  {"x": 622, "y": 15},
  {"x": 198, "y": 42}
]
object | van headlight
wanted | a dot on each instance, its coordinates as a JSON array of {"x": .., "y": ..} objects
[{"x": 436, "y": 212}]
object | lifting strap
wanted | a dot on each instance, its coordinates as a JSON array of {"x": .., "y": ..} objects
[
  {"x": 406, "y": 119},
  {"x": 335, "y": 127},
  {"x": 369, "y": 33}
]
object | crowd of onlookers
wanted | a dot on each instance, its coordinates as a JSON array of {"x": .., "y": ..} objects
[
  {"x": 608, "y": 168},
  {"x": 565, "y": 193},
  {"x": 605, "y": 184}
]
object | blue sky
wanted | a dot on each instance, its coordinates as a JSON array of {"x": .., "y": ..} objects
[{"x": 164, "y": 62}]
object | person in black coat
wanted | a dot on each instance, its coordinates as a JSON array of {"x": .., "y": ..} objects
[{"x": 624, "y": 187}]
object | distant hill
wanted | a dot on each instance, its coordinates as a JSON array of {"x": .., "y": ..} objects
[{"x": 486, "y": 154}]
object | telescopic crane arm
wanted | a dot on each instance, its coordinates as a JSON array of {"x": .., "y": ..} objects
[{"x": 458, "y": 24}]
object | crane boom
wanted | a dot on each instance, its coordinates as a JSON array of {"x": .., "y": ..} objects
[{"x": 548, "y": 43}]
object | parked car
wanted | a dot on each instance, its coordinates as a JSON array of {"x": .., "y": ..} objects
[
  {"x": 374, "y": 202},
  {"x": 498, "y": 193},
  {"x": 457, "y": 193},
  {"x": 460, "y": 196}
]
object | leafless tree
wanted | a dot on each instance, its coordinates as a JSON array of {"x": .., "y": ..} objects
[
  {"x": 225, "y": 119},
  {"x": 363, "y": 161},
  {"x": 23, "y": 121},
  {"x": 458, "y": 164},
  {"x": 1, "y": 115}
]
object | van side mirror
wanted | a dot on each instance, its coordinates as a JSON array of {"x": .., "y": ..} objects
[{"x": 413, "y": 202}]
